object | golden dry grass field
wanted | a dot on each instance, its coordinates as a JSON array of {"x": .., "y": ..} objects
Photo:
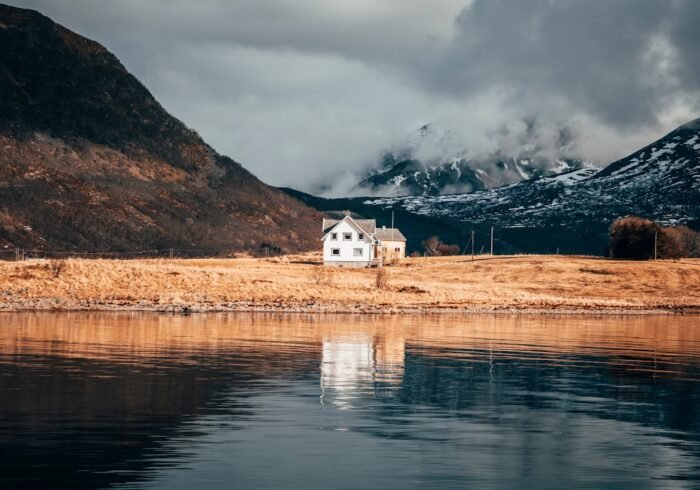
[{"x": 300, "y": 283}]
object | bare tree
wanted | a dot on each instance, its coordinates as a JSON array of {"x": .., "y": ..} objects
[
  {"x": 431, "y": 245},
  {"x": 434, "y": 246}
]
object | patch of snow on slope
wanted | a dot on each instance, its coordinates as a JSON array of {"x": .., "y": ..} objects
[
  {"x": 633, "y": 163},
  {"x": 570, "y": 178},
  {"x": 655, "y": 154},
  {"x": 522, "y": 173}
]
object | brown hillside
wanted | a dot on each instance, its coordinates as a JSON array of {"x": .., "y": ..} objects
[{"x": 90, "y": 161}]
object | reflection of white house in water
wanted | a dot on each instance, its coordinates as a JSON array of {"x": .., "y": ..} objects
[{"x": 360, "y": 366}]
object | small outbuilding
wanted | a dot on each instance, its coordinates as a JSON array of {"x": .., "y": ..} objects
[{"x": 353, "y": 242}]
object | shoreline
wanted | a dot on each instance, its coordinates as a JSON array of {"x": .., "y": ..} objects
[{"x": 56, "y": 305}]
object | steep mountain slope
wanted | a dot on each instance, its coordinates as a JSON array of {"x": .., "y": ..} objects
[
  {"x": 660, "y": 181},
  {"x": 433, "y": 162},
  {"x": 90, "y": 161}
]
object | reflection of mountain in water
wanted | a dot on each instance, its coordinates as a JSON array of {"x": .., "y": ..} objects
[{"x": 101, "y": 400}]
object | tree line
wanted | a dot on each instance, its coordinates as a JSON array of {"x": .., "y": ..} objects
[
  {"x": 642, "y": 239},
  {"x": 630, "y": 237}
]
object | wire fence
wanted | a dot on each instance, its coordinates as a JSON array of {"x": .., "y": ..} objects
[{"x": 21, "y": 254}]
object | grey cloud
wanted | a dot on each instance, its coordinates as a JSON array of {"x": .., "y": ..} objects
[
  {"x": 594, "y": 54},
  {"x": 685, "y": 37},
  {"x": 309, "y": 92}
]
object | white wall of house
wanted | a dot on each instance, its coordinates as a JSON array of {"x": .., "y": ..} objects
[
  {"x": 345, "y": 245},
  {"x": 393, "y": 249}
]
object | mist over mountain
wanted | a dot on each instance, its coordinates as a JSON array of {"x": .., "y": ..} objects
[
  {"x": 90, "y": 161},
  {"x": 434, "y": 161}
]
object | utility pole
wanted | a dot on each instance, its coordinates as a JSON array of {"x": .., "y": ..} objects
[
  {"x": 492, "y": 241},
  {"x": 656, "y": 241},
  {"x": 472, "y": 244},
  {"x": 392, "y": 225}
]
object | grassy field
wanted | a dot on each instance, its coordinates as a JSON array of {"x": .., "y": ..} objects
[{"x": 300, "y": 283}]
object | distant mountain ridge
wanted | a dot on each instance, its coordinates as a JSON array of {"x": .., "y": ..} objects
[
  {"x": 433, "y": 162},
  {"x": 660, "y": 181},
  {"x": 90, "y": 161}
]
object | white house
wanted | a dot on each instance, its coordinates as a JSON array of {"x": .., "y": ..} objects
[{"x": 353, "y": 242}]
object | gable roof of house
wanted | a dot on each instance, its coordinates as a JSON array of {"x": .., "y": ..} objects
[
  {"x": 366, "y": 225},
  {"x": 329, "y": 224},
  {"x": 390, "y": 234}
]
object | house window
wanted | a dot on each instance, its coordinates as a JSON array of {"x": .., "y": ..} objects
[
  {"x": 397, "y": 249},
  {"x": 347, "y": 236},
  {"x": 335, "y": 252},
  {"x": 334, "y": 236},
  {"x": 360, "y": 236},
  {"x": 357, "y": 252}
]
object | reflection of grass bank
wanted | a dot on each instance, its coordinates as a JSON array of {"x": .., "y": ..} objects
[{"x": 537, "y": 283}]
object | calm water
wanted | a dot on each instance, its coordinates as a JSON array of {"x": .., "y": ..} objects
[{"x": 245, "y": 401}]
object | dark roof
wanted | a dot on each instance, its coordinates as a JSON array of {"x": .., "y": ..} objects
[
  {"x": 328, "y": 224},
  {"x": 389, "y": 234},
  {"x": 367, "y": 225}
]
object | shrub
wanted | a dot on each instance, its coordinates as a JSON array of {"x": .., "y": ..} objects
[
  {"x": 322, "y": 276},
  {"x": 56, "y": 267},
  {"x": 445, "y": 249},
  {"x": 382, "y": 278},
  {"x": 268, "y": 249},
  {"x": 677, "y": 242}
]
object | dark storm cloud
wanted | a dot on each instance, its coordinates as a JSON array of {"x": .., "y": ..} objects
[
  {"x": 684, "y": 32},
  {"x": 619, "y": 60},
  {"x": 305, "y": 91}
]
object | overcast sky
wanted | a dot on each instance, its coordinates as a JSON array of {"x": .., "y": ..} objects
[{"x": 304, "y": 91}]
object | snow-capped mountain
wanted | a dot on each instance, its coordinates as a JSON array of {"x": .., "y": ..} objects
[
  {"x": 660, "y": 181},
  {"x": 432, "y": 161}
]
